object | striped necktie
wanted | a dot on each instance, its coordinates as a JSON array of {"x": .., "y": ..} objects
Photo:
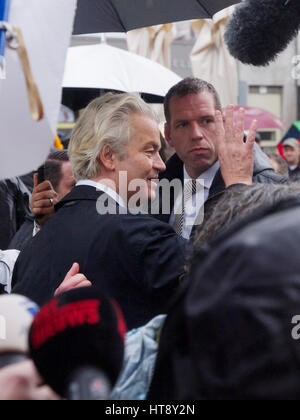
[{"x": 190, "y": 188}]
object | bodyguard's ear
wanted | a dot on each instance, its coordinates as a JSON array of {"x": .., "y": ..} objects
[
  {"x": 168, "y": 135},
  {"x": 108, "y": 158}
]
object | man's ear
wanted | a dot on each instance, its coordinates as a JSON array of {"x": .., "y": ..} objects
[
  {"x": 168, "y": 135},
  {"x": 108, "y": 158}
]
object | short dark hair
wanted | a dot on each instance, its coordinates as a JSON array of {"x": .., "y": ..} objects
[
  {"x": 190, "y": 86},
  {"x": 53, "y": 165}
]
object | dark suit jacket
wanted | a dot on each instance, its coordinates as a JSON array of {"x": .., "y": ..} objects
[
  {"x": 23, "y": 236},
  {"x": 133, "y": 258},
  {"x": 14, "y": 207}
]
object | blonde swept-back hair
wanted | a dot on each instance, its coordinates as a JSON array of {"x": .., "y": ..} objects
[{"x": 106, "y": 121}]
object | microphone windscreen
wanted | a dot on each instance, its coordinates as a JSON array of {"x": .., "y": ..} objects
[
  {"x": 260, "y": 29},
  {"x": 16, "y": 316},
  {"x": 77, "y": 329}
]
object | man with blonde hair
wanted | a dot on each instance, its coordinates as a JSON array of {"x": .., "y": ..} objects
[
  {"x": 132, "y": 257},
  {"x": 136, "y": 259}
]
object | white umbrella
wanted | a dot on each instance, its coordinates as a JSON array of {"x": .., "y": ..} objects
[{"x": 105, "y": 67}]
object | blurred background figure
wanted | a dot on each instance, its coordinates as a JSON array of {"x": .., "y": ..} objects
[
  {"x": 258, "y": 140},
  {"x": 58, "y": 182},
  {"x": 7, "y": 262},
  {"x": 21, "y": 382},
  {"x": 291, "y": 151},
  {"x": 280, "y": 165},
  {"x": 14, "y": 208}
]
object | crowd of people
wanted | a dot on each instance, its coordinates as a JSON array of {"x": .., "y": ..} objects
[{"x": 216, "y": 256}]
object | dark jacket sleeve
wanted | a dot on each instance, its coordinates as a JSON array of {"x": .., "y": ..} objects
[
  {"x": 23, "y": 235},
  {"x": 270, "y": 177},
  {"x": 159, "y": 255},
  {"x": 8, "y": 220},
  {"x": 14, "y": 206}
]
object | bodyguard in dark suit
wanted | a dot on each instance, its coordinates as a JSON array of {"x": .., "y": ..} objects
[
  {"x": 190, "y": 108},
  {"x": 134, "y": 258}
]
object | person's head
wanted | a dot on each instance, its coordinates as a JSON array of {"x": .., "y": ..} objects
[
  {"x": 280, "y": 165},
  {"x": 58, "y": 171},
  {"x": 291, "y": 151},
  {"x": 238, "y": 203},
  {"x": 241, "y": 311},
  {"x": 117, "y": 133},
  {"x": 190, "y": 109}
]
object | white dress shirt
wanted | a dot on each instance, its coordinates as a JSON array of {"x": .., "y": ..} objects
[{"x": 194, "y": 205}]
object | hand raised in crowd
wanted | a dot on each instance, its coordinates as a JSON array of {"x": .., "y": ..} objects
[
  {"x": 43, "y": 200},
  {"x": 236, "y": 156},
  {"x": 73, "y": 280},
  {"x": 22, "y": 382}
]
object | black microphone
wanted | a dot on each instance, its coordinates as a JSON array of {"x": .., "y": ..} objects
[
  {"x": 77, "y": 344},
  {"x": 16, "y": 316},
  {"x": 261, "y": 29}
]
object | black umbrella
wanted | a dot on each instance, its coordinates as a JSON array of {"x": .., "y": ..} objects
[
  {"x": 79, "y": 98},
  {"x": 95, "y": 16}
]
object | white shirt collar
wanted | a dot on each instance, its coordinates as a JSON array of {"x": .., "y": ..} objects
[
  {"x": 207, "y": 177},
  {"x": 101, "y": 187}
]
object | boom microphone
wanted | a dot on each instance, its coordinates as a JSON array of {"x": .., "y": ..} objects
[
  {"x": 77, "y": 344},
  {"x": 16, "y": 316},
  {"x": 261, "y": 29}
]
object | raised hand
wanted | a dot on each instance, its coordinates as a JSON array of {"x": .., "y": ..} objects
[
  {"x": 236, "y": 156},
  {"x": 43, "y": 200}
]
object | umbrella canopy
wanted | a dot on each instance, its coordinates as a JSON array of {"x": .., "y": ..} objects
[
  {"x": 293, "y": 132},
  {"x": 124, "y": 15},
  {"x": 104, "y": 67},
  {"x": 265, "y": 120}
]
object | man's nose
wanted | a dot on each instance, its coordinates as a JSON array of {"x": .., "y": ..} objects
[
  {"x": 158, "y": 164},
  {"x": 196, "y": 131}
]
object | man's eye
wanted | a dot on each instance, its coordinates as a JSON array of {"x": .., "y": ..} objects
[
  {"x": 208, "y": 121},
  {"x": 182, "y": 125}
]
